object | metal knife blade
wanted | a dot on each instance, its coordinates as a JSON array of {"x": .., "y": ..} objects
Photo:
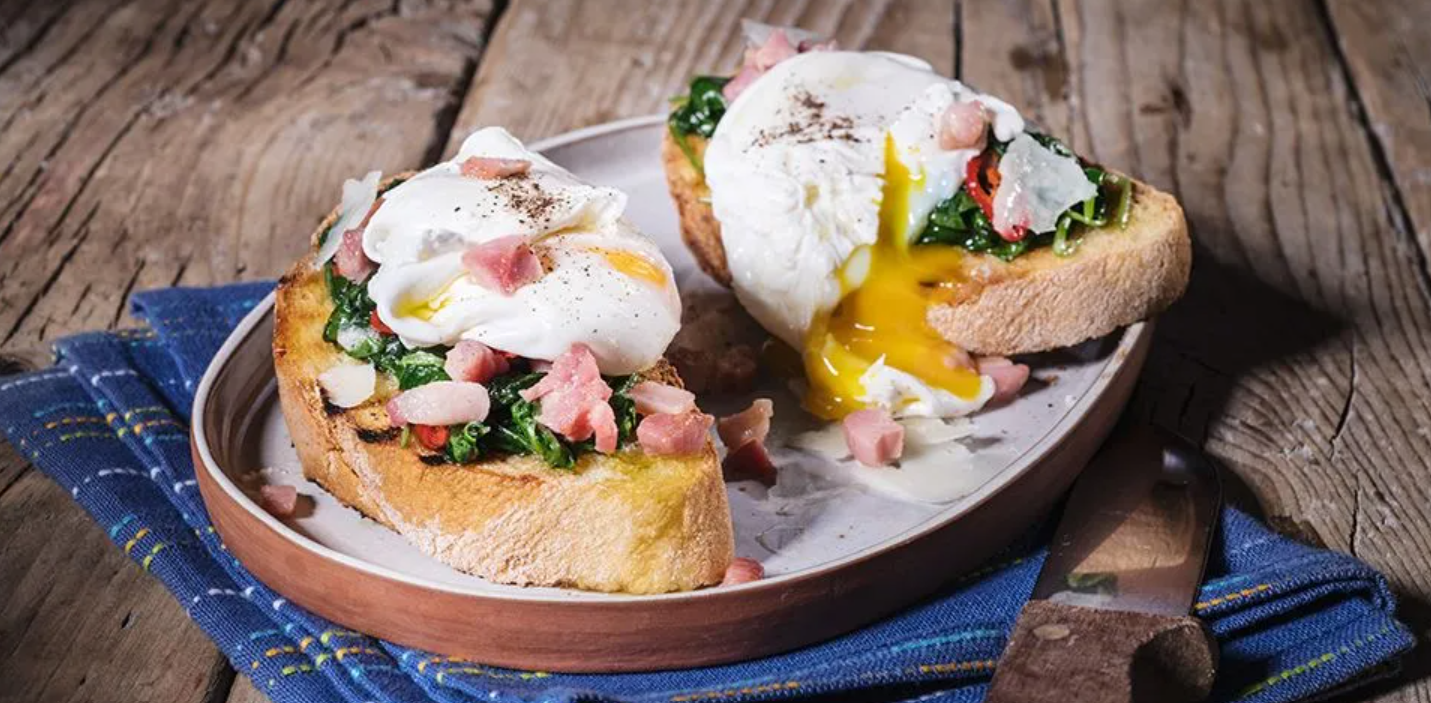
[{"x": 1135, "y": 533}]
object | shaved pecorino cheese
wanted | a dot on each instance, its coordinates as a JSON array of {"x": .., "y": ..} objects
[
  {"x": 1036, "y": 186},
  {"x": 358, "y": 199},
  {"x": 348, "y": 385}
]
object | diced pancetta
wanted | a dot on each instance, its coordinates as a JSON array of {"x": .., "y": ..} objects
[
  {"x": 574, "y": 399},
  {"x": 489, "y": 167},
  {"x": 751, "y": 461},
  {"x": 776, "y": 48},
  {"x": 602, "y": 420},
  {"x": 576, "y": 366},
  {"x": 749, "y": 425},
  {"x": 767, "y": 47},
  {"x": 963, "y": 126},
  {"x": 667, "y": 434},
  {"x": 873, "y": 436},
  {"x": 742, "y": 80},
  {"x": 1009, "y": 378},
  {"x": 743, "y": 570},
  {"x": 503, "y": 264},
  {"x": 350, "y": 262},
  {"x": 652, "y": 398},
  {"x": 440, "y": 403},
  {"x": 475, "y": 362},
  {"x": 278, "y": 501}
]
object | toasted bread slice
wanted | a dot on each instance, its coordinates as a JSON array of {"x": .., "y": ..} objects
[
  {"x": 1037, "y": 302},
  {"x": 625, "y": 522}
]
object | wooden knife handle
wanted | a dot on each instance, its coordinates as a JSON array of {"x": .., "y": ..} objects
[{"x": 1070, "y": 654}]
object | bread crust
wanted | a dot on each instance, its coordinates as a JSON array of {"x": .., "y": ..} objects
[
  {"x": 1037, "y": 302},
  {"x": 621, "y": 523}
]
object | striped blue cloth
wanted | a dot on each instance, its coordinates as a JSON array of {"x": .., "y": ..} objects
[{"x": 109, "y": 423}]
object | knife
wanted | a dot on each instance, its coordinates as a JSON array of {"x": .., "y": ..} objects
[{"x": 1109, "y": 617}]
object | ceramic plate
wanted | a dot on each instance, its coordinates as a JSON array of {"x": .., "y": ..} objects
[{"x": 841, "y": 544}]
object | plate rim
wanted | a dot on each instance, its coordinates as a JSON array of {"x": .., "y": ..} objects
[{"x": 1131, "y": 337}]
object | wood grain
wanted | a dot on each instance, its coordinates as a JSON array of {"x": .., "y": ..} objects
[
  {"x": 1385, "y": 50},
  {"x": 555, "y": 66},
  {"x": 243, "y": 691},
  {"x": 1294, "y": 132},
  {"x": 152, "y": 142},
  {"x": 1302, "y": 352},
  {"x": 198, "y": 142}
]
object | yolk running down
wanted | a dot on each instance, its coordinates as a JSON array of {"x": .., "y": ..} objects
[{"x": 886, "y": 314}]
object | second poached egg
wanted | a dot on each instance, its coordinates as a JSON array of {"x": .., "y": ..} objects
[{"x": 822, "y": 173}]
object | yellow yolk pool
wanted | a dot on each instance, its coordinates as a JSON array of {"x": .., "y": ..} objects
[
  {"x": 884, "y": 315},
  {"x": 634, "y": 265},
  {"x": 424, "y": 308}
]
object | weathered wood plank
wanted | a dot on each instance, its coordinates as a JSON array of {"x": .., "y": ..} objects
[
  {"x": 558, "y": 65},
  {"x": 198, "y": 142},
  {"x": 1385, "y": 49},
  {"x": 243, "y": 691},
  {"x": 78, "y": 620},
  {"x": 1300, "y": 355},
  {"x": 1302, "y": 351},
  {"x": 152, "y": 142}
]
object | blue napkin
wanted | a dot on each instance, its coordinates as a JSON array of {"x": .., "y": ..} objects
[{"x": 109, "y": 423}]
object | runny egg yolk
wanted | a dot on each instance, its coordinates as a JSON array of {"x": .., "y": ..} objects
[
  {"x": 424, "y": 308},
  {"x": 626, "y": 262},
  {"x": 635, "y": 266},
  {"x": 884, "y": 315}
]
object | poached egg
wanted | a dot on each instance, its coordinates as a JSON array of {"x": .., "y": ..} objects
[
  {"x": 603, "y": 284},
  {"x": 822, "y": 173}
]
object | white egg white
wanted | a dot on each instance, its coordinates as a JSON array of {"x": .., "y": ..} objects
[
  {"x": 797, "y": 169},
  {"x": 605, "y": 284}
]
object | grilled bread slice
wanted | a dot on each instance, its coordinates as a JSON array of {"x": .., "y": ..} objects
[
  {"x": 1037, "y": 302},
  {"x": 625, "y": 522}
]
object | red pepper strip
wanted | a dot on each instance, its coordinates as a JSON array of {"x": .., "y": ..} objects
[
  {"x": 433, "y": 437},
  {"x": 987, "y": 163},
  {"x": 377, "y": 324},
  {"x": 975, "y": 188}
]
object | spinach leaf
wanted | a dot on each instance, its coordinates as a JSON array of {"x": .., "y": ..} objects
[
  {"x": 463, "y": 442},
  {"x": 417, "y": 368},
  {"x": 522, "y": 434},
  {"x": 700, "y": 110},
  {"x": 503, "y": 390},
  {"x": 960, "y": 221},
  {"x": 391, "y": 351},
  {"x": 624, "y": 407},
  {"x": 351, "y": 304},
  {"x": 515, "y": 426}
]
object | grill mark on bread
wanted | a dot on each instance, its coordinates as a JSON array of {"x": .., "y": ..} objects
[
  {"x": 378, "y": 436},
  {"x": 329, "y": 408}
]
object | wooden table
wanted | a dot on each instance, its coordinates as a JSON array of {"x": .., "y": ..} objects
[{"x": 149, "y": 143}]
